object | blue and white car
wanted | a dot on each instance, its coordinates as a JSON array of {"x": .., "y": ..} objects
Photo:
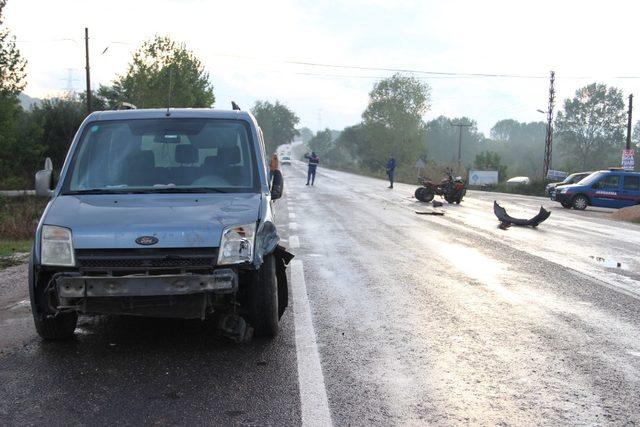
[
  {"x": 613, "y": 188},
  {"x": 162, "y": 213}
]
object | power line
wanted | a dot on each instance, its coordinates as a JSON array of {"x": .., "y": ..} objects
[{"x": 446, "y": 74}]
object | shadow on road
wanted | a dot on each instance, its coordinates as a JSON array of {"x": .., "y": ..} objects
[{"x": 152, "y": 371}]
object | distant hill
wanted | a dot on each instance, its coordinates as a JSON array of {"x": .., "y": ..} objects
[{"x": 28, "y": 102}]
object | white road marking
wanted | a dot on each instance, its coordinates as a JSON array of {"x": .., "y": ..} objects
[
  {"x": 293, "y": 226},
  {"x": 294, "y": 242},
  {"x": 313, "y": 394},
  {"x": 292, "y": 215}
]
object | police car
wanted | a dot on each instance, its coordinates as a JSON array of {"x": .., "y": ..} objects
[{"x": 613, "y": 188}]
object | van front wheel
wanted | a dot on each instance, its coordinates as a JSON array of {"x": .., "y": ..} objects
[
  {"x": 580, "y": 202},
  {"x": 262, "y": 299}
]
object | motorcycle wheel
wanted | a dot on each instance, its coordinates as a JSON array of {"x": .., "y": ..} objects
[{"x": 426, "y": 195}]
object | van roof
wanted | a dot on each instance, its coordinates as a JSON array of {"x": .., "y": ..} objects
[
  {"x": 618, "y": 169},
  {"x": 154, "y": 113}
]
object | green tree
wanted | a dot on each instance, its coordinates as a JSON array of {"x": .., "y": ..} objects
[
  {"x": 305, "y": 134},
  {"x": 520, "y": 144},
  {"x": 442, "y": 140},
  {"x": 59, "y": 119},
  {"x": 18, "y": 139},
  {"x": 21, "y": 152},
  {"x": 322, "y": 142},
  {"x": 635, "y": 135},
  {"x": 490, "y": 161},
  {"x": 278, "y": 123},
  {"x": 161, "y": 67},
  {"x": 12, "y": 64},
  {"x": 393, "y": 121},
  {"x": 592, "y": 126}
]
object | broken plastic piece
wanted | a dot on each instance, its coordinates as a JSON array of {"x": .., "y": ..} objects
[
  {"x": 235, "y": 328},
  {"x": 430, "y": 212},
  {"x": 437, "y": 204},
  {"x": 504, "y": 217}
]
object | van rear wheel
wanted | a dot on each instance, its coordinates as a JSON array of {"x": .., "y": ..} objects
[{"x": 262, "y": 299}]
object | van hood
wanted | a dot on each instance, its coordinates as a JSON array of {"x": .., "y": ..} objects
[{"x": 176, "y": 220}]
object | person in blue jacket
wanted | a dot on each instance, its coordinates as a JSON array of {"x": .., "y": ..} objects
[
  {"x": 391, "y": 168},
  {"x": 313, "y": 165}
]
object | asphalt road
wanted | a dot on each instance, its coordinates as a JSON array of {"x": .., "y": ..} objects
[{"x": 397, "y": 318}]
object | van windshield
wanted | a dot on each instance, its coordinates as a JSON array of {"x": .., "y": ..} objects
[
  {"x": 163, "y": 155},
  {"x": 590, "y": 179}
]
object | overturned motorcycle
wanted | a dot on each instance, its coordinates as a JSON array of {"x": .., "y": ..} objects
[
  {"x": 507, "y": 221},
  {"x": 452, "y": 189}
]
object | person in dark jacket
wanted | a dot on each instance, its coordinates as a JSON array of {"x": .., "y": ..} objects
[
  {"x": 313, "y": 165},
  {"x": 391, "y": 168}
]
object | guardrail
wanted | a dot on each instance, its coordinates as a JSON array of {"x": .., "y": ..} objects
[{"x": 18, "y": 193}]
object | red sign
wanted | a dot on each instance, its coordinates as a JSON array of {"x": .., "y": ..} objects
[{"x": 628, "y": 161}]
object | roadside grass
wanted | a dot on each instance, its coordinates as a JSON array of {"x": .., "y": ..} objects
[
  {"x": 9, "y": 247},
  {"x": 8, "y": 250},
  {"x": 18, "y": 220}
]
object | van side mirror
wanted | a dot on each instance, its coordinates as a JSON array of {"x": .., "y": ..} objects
[
  {"x": 277, "y": 185},
  {"x": 43, "y": 179}
]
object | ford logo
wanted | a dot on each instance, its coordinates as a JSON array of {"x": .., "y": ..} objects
[{"x": 147, "y": 240}]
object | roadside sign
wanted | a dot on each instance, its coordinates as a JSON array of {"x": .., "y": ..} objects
[
  {"x": 483, "y": 177},
  {"x": 628, "y": 161},
  {"x": 556, "y": 175}
]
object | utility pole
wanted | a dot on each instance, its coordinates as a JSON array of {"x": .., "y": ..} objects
[
  {"x": 86, "y": 52},
  {"x": 549, "y": 138},
  {"x": 460, "y": 126},
  {"x": 629, "y": 122}
]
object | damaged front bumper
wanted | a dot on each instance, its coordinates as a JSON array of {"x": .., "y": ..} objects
[
  {"x": 506, "y": 219},
  {"x": 222, "y": 281}
]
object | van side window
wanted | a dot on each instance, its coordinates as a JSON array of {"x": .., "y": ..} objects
[
  {"x": 631, "y": 183},
  {"x": 610, "y": 182}
]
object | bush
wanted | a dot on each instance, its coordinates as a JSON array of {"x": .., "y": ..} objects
[{"x": 19, "y": 216}]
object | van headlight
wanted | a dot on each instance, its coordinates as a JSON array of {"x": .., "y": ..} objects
[
  {"x": 57, "y": 246},
  {"x": 236, "y": 244}
]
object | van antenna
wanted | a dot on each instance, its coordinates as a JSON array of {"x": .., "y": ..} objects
[
  {"x": 235, "y": 106},
  {"x": 170, "y": 89}
]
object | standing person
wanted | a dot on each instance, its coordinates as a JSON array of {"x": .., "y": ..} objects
[
  {"x": 273, "y": 166},
  {"x": 313, "y": 165},
  {"x": 391, "y": 168}
]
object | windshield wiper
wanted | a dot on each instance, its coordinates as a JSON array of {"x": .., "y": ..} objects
[
  {"x": 98, "y": 191},
  {"x": 184, "y": 190},
  {"x": 147, "y": 190}
]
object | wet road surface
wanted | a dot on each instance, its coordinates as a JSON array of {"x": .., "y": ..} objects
[{"x": 397, "y": 318}]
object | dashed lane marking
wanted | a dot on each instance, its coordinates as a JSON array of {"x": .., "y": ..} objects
[
  {"x": 313, "y": 394},
  {"x": 294, "y": 242},
  {"x": 293, "y": 226}
]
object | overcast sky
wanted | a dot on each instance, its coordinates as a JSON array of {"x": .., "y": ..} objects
[{"x": 246, "y": 45}]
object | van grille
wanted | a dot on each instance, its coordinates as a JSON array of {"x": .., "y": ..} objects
[{"x": 145, "y": 260}]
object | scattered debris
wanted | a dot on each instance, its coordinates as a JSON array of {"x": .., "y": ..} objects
[
  {"x": 609, "y": 263},
  {"x": 437, "y": 204},
  {"x": 236, "y": 328},
  {"x": 504, "y": 225},
  {"x": 506, "y": 220},
  {"x": 434, "y": 212}
]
